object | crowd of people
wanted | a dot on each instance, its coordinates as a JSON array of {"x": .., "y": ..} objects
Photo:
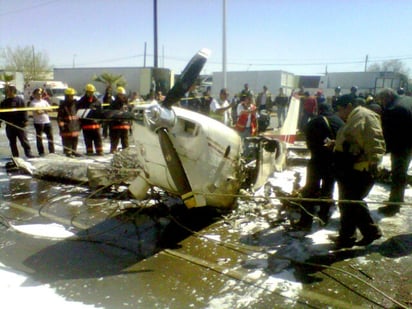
[
  {"x": 69, "y": 123},
  {"x": 347, "y": 136}
]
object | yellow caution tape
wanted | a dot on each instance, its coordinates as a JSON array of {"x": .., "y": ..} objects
[{"x": 26, "y": 109}]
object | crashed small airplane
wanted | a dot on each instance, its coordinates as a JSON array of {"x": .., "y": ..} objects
[{"x": 185, "y": 153}]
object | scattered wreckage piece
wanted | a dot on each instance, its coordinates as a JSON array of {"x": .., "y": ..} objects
[{"x": 56, "y": 167}]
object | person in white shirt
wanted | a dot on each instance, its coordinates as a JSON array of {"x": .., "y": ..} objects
[
  {"x": 41, "y": 121},
  {"x": 221, "y": 109}
]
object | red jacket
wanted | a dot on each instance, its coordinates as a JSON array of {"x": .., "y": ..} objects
[
  {"x": 310, "y": 105},
  {"x": 243, "y": 118}
]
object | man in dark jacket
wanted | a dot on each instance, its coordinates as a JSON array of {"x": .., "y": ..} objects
[
  {"x": 16, "y": 121},
  {"x": 335, "y": 98},
  {"x": 281, "y": 102},
  {"x": 107, "y": 101},
  {"x": 396, "y": 125},
  {"x": 90, "y": 127},
  {"x": 320, "y": 133}
]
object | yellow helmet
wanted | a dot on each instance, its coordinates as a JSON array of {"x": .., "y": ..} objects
[
  {"x": 369, "y": 98},
  {"x": 90, "y": 87},
  {"x": 121, "y": 90},
  {"x": 70, "y": 91}
]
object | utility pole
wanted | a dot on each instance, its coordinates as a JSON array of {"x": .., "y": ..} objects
[
  {"x": 144, "y": 56},
  {"x": 224, "y": 46},
  {"x": 366, "y": 63},
  {"x": 155, "y": 32},
  {"x": 163, "y": 56},
  {"x": 34, "y": 62}
]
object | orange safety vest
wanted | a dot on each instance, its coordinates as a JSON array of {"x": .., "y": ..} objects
[
  {"x": 120, "y": 126},
  {"x": 90, "y": 126},
  {"x": 69, "y": 134},
  {"x": 242, "y": 121}
]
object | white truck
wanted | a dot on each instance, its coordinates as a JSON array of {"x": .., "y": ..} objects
[
  {"x": 18, "y": 81},
  {"x": 367, "y": 82},
  {"x": 54, "y": 89},
  {"x": 2, "y": 91}
]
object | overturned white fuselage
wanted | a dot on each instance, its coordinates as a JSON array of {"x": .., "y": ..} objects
[{"x": 208, "y": 150}]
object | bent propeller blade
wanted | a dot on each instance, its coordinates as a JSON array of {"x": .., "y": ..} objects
[
  {"x": 176, "y": 169},
  {"x": 187, "y": 78}
]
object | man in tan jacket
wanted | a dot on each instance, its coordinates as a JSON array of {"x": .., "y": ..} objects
[{"x": 359, "y": 148}]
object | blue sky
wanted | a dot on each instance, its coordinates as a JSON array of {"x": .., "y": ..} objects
[{"x": 302, "y": 37}]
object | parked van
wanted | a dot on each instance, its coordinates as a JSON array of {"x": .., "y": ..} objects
[
  {"x": 17, "y": 81},
  {"x": 2, "y": 90},
  {"x": 54, "y": 89}
]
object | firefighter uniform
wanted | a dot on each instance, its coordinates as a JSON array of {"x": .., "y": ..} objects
[
  {"x": 69, "y": 123},
  {"x": 119, "y": 129},
  {"x": 90, "y": 127}
]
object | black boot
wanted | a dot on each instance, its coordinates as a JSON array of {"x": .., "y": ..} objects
[
  {"x": 342, "y": 242},
  {"x": 389, "y": 210}
]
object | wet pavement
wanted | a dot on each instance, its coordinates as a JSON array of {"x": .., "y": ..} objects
[{"x": 155, "y": 254}]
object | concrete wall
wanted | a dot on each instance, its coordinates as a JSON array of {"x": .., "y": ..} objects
[
  {"x": 256, "y": 80},
  {"x": 137, "y": 79}
]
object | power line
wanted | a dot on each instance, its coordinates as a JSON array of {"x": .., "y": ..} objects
[
  {"x": 28, "y": 8},
  {"x": 255, "y": 63},
  {"x": 320, "y": 62}
]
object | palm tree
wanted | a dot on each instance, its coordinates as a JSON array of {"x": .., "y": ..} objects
[
  {"x": 110, "y": 79},
  {"x": 7, "y": 77}
]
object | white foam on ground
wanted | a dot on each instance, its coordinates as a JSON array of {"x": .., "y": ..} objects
[
  {"x": 15, "y": 295},
  {"x": 52, "y": 230}
]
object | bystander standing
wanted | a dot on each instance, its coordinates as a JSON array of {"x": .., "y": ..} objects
[
  {"x": 220, "y": 108},
  {"x": 281, "y": 103},
  {"x": 320, "y": 136},
  {"x": 359, "y": 147},
  {"x": 397, "y": 125},
  {"x": 41, "y": 121},
  {"x": 246, "y": 124},
  {"x": 264, "y": 99},
  {"x": 16, "y": 121}
]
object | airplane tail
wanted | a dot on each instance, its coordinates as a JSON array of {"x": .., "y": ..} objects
[{"x": 287, "y": 132}]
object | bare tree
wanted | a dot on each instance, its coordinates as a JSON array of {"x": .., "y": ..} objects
[
  {"x": 394, "y": 65},
  {"x": 375, "y": 67},
  {"x": 33, "y": 64}
]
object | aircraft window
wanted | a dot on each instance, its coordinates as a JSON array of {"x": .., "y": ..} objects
[{"x": 190, "y": 128}]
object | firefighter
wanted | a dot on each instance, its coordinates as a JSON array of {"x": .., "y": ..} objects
[
  {"x": 69, "y": 123},
  {"x": 335, "y": 98},
  {"x": 90, "y": 127},
  {"x": 119, "y": 129}
]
